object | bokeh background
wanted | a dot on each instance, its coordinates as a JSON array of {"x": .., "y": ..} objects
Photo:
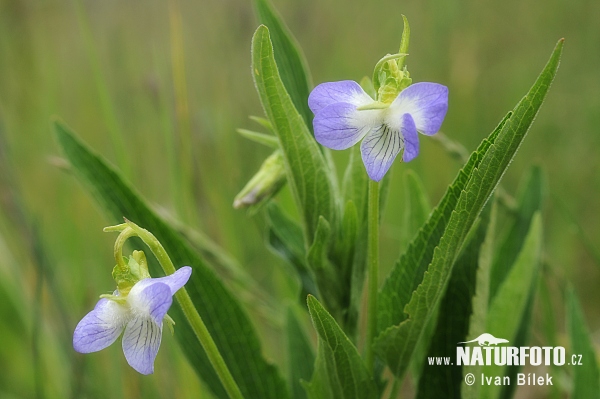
[{"x": 159, "y": 87}]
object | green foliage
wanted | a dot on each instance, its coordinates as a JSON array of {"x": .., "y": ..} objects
[
  {"x": 479, "y": 301},
  {"x": 586, "y": 378},
  {"x": 289, "y": 58},
  {"x": 301, "y": 357},
  {"x": 529, "y": 201},
  {"x": 141, "y": 103},
  {"x": 226, "y": 320},
  {"x": 285, "y": 238},
  {"x": 309, "y": 177},
  {"x": 261, "y": 138},
  {"x": 294, "y": 77},
  {"x": 416, "y": 206},
  {"x": 408, "y": 271},
  {"x": 325, "y": 274},
  {"x": 396, "y": 343},
  {"x": 529, "y": 204},
  {"x": 508, "y": 314},
  {"x": 338, "y": 361},
  {"x": 453, "y": 318}
]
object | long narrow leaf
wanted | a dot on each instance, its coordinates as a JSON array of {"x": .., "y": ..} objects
[
  {"x": 513, "y": 304},
  {"x": 453, "y": 319},
  {"x": 345, "y": 371},
  {"x": 226, "y": 320},
  {"x": 529, "y": 201},
  {"x": 289, "y": 58},
  {"x": 396, "y": 344},
  {"x": 586, "y": 377},
  {"x": 310, "y": 179}
]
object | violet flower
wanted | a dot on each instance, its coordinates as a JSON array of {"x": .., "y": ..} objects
[
  {"x": 345, "y": 115},
  {"x": 140, "y": 314}
]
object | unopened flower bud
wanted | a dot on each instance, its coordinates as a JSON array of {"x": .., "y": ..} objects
[{"x": 264, "y": 184}]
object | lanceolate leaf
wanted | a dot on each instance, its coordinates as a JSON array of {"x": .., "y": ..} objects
[
  {"x": 513, "y": 302},
  {"x": 325, "y": 275},
  {"x": 289, "y": 58},
  {"x": 226, "y": 320},
  {"x": 396, "y": 343},
  {"x": 309, "y": 177},
  {"x": 408, "y": 272},
  {"x": 345, "y": 371},
  {"x": 530, "y": 199},
  {"x": 586, "y": 378},
  {"x": 453, "y": 319},
  {"x": 479, "y": 302}
]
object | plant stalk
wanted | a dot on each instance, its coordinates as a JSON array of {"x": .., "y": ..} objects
[
  {"x": 373, "y": 267},
  {"x": 191, "y": 314}
]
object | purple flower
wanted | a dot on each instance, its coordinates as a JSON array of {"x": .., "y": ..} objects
[
  {"x": 345, "y": 115},
  {"x": 140, "y": 314}
]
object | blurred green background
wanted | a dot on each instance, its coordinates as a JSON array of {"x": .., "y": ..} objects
[{"x": 159, "y": 87}]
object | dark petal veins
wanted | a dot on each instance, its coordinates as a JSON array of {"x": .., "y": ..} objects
[
  {"x": 99, "y": 328},
  {"x": 141, "y": 342}
]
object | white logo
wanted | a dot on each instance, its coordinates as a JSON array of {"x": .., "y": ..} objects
[{"x": 486, "y": 339}]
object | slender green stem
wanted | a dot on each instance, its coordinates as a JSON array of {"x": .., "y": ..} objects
[
  {"x": 120, "y": 241},
  {"x": 373, "y": 265},
  {"x": 191, "y": 314}
]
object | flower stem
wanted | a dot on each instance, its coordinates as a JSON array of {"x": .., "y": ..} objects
[
  {"x": 191, "y": 314},
  {"x": 373, "y": 265},
  {"x": 120, "y": 241}
]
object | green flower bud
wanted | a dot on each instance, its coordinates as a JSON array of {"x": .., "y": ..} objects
[
  {"x": 264, "y": 184},
  {"x": 136, "y": 269}
]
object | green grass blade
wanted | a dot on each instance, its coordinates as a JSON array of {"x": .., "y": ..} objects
[
  {"x": 260, "y": 138},
  {"x": 479, "y": 301},
  {"x": 509, "y": 312},
  {"x": 226, "y": 320},
  {"x": 289, "y": 58},
  {"x": 309, "y": 177},
  {"x": 396, "y": 343},
  {"x": 453, "y": 319},
  {"x": 586, "y": 378},
  {"x": 530, "y": 199},
  {"x": 345, "y": 371}
]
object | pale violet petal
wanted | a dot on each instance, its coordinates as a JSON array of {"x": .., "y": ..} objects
[
  {"x": 340, "y": 126},
  {"x": 335, "y": 128},
  {"x": 175, "y": 281},
  {"x": 153, "y": 300},
  {"x": 427, "y": 103},
  {"x": 382, "y": 145},
  {"x": 411, "y": 138},
  {"x": 100, "y": 327},
  {"x": 345, "y": 91},
  {"x": 141, "y": 341}
]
